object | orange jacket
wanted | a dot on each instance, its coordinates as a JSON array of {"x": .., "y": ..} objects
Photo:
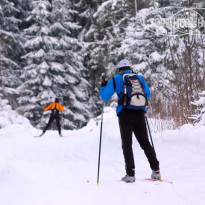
[{"x": 54, "y": 105}]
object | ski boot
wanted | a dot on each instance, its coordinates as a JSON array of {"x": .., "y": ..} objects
[
  {"x": 156, "y": 175},
  {"x": 128, "y": 179}
]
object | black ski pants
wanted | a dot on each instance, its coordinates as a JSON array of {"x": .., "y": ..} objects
[
  {"x": 51, "y": 119},
  {"x": 134, "y": 121}
]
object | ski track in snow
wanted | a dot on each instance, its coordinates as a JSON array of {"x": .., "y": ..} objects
[{"x": 57, "y": 171}]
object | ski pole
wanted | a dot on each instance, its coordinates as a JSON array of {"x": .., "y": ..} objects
[
  {"x": 100, "y": 145},
  {"x": 62, "y": 122},
  {"x": 149, "y": 132},
  {"x": 62, "y": 118}
]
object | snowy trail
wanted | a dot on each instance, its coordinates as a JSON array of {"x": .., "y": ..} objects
[{"x": 57, "y": 171}]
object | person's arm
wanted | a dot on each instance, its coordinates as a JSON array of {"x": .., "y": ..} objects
[
  {"x": 48, "y": 108},
  {"x": 106, "y": 92},
  {"x": 61, "y": 108}
]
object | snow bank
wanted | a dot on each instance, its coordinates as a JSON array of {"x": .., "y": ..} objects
[
  {"x": 187, "y": 135},
  {"x": 9, "y": 116}
]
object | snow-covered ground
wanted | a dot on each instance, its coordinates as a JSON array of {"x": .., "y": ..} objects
[{"x": 63, "y": 171}]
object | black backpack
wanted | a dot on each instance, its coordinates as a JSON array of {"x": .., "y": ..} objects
[{"x": 55, "y": 112}]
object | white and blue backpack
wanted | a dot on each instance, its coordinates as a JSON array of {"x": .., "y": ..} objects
[{"x": 134, "y": 96}]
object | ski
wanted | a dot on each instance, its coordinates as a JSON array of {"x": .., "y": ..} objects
[{"x": 155, "y": 180}]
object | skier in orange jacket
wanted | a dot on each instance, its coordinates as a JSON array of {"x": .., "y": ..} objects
[{"x": 55, "y": 108}]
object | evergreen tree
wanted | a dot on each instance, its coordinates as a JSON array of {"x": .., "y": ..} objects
[
  {"x": 173, "y": 66},
  {"x": 105, "y": 34},
  {"x": 25, "y": 7},
  {"x": 36, "y": 91},
  {"x": 11, "y": 49},
  {"x": 54, "y": 65},
  {"x": 65, "y": 26},
  {"x": 146, "y": 48},
  {"x": 84, "y": 16}
]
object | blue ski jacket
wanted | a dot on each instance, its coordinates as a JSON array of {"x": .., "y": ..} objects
[{"x": 106, "y": 92}]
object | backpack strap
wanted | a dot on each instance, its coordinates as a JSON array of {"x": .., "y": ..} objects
[{"x": 114, "y": 83}]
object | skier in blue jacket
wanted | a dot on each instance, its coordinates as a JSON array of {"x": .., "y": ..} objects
[{"x": 130, "y": 120}]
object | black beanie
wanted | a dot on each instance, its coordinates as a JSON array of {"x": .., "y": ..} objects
[{"x": 56, "y": 100}]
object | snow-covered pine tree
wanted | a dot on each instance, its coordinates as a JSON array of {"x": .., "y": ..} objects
[
  {"x": 105, "y": 34},
  {"x": 199, "y": 117},
  {"x": 75, "y": 87},
  {"x": 10, "y": 49},
  {"x": 84, "y": 15},
  {"x": 54, "y": 65},
  {"x": 24, "y": 6},
  {"x": 164, "y": 3},
  {"x": 36, "y": 90},
  {"x": 146, "y": 47},
  {"x": 174, "y": 66}
]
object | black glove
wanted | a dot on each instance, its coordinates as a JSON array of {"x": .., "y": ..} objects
[{"x": 104, "y": 81}]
